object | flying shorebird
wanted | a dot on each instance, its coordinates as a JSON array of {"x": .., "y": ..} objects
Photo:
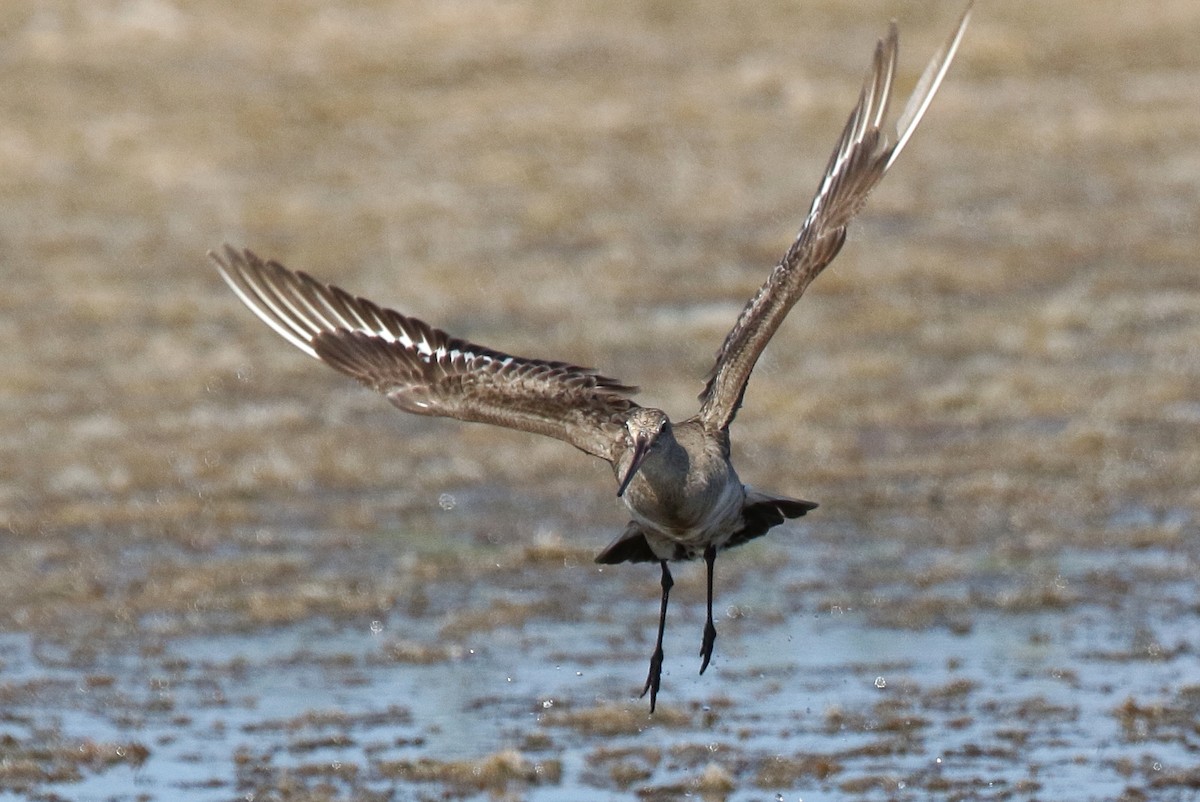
[{"x": 677, "y": 479}]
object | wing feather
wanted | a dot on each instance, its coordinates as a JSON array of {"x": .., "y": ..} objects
[
  {"x": 423, "y": 369},
  {"x": 864, "y": 153}
]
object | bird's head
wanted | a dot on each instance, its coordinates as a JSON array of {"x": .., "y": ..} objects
[{"x": 643, "y": 430}]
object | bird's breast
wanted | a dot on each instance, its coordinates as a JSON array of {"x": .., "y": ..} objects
[{"x": 690, "y": 511}]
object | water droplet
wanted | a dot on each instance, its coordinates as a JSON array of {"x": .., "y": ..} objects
[
  {"x": 336, "y": 765},
  {"x": 376, "y": 627},
  {"x": 880, "y": 682},
  {"x": 547, "y": 704},
  {"x": 120, "y": 751},
  {"x": 901, "y": 785},
  {"x": 778, "y": 797},
  {"x": 1156, "y": 766},
  {"x": 446, "y": 501}
]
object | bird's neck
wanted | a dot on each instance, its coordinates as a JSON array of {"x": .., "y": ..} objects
[{"x": 668, "y": 461}]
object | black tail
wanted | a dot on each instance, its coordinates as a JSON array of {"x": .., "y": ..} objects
[
  {"x": 629, "y": 547},
  {"x": 764, "y": 511},
  {"x": 760, "y": 513}
]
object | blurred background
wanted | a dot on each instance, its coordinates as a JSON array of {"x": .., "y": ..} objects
[{"x": 227, "y": 571}]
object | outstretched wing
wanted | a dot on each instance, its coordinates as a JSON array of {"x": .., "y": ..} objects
[
  {"x": 862, "y": 157},
  {"x": 422, "y": 369}
]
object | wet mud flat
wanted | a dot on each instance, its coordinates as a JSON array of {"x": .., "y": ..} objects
[
  {"x": 225, "y": 573},
  {"x": 493, "y": 676}
]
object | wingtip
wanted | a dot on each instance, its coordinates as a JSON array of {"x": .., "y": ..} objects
[
  {"x": 243, "y": 272},
  {"x": 928, "y": 85},
  {"x": 966, "y": 15},
  {"x": 216, "y": 255},
  {"x": 227, "y": 256}
]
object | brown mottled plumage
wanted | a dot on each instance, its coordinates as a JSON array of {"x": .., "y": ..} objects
[{"x": 677, "y": 480}]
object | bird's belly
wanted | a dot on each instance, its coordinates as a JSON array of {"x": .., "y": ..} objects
[{"x": 683, "y": 530}]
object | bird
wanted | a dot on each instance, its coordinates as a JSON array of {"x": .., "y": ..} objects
[{"x": 685, "y": 499}]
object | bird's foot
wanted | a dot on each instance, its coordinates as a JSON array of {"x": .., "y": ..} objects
[
  {"x": 654, "y": 678},
  {"x": 706, "y": 649}
]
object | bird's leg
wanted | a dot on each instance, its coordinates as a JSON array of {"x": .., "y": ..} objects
[
  {"x": 710, "y": 631},
  {"x": 654, "y": 678}
]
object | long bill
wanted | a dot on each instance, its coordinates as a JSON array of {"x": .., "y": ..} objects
[{"x": 641, "y": 447}]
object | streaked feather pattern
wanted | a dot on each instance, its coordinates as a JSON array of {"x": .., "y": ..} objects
[
  {"x": 676, "y": 479},
  {"x": 862, "y": 157},
  {"x": 423, "y": 369}
]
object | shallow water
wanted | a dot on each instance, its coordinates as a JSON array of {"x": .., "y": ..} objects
[
  {"x": 225, "y": 573},
  {"x": 803, "y": 701}
]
